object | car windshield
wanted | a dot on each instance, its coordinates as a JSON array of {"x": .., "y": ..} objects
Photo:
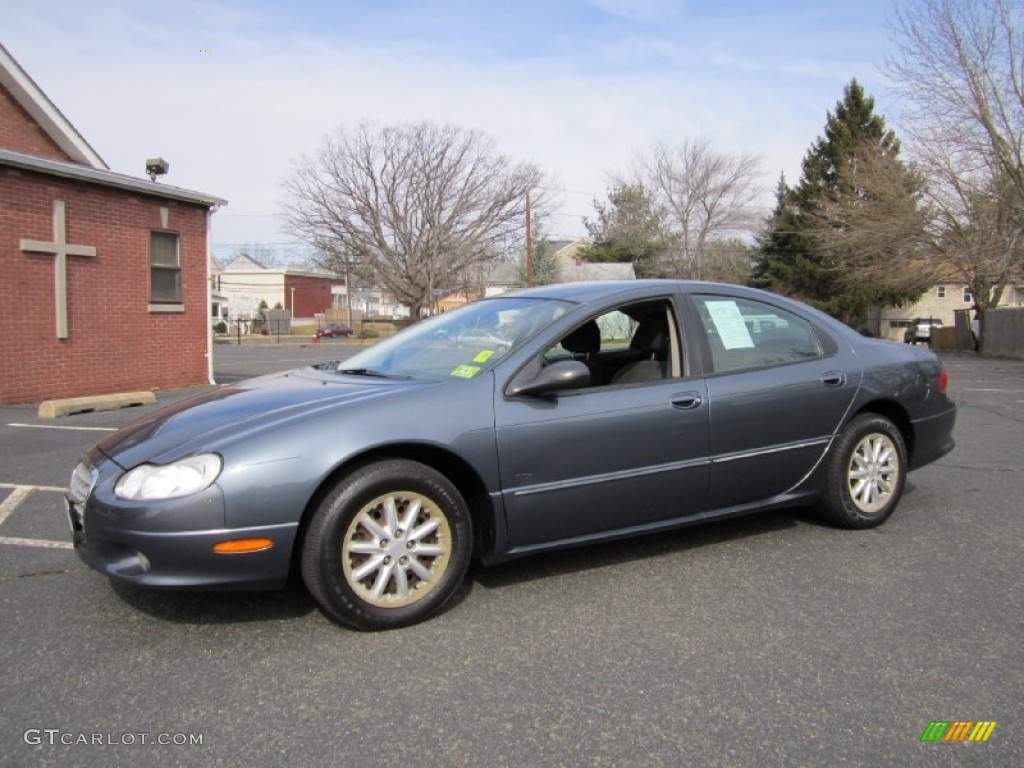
[{"x": 457, "y": 344}]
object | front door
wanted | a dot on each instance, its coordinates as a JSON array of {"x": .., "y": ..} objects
[{"x": 627, "y": 454}]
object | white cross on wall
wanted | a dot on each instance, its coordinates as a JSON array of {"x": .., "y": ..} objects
[{"x": 61, "y": 249}]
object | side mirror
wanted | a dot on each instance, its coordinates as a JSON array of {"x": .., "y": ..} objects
[{"x": 565, "y": 374}]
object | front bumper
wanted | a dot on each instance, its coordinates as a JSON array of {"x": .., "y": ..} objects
[
  {"x": 170, "y": 543},
  {"x": 185, "y": 559}
]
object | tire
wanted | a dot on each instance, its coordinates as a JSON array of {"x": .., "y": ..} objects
[
  {"x": 866, "y": 473},
  {"x": 388, "y": 546}
]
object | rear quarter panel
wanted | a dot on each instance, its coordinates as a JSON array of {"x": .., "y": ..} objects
[{"x": 908, "y": 377}]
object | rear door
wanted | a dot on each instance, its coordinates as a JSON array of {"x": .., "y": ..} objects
[{"x": 778, "y": 389}]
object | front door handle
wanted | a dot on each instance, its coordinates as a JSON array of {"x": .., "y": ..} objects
[
  {"x": 833, "y": 379},
  {"x": 686, "y": 401}
]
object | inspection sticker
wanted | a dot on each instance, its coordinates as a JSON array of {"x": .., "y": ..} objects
[
  {"x": 484, "y": 356},
  {"x": 466, "y": 371}
]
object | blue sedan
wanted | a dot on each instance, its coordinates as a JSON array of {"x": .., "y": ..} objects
[{"x": 531, "y": 421}]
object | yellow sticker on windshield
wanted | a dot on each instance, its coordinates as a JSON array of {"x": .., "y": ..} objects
[
  {"x": 466, "y": 371},
  {"x": 484, "y": 356}
]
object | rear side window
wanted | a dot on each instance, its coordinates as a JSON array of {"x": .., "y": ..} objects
[{"x": 744, "y": 333}]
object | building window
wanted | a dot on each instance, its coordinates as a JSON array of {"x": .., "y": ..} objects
[
  {"x": 968, "y": 299},
  {"x": 940, "y": 292},
  {"x": 164, "y": 268}
]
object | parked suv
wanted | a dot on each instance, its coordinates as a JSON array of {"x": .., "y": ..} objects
[{"x": 921, "y": 330}]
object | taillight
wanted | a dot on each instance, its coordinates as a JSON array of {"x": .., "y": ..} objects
[{"x": 943, "y": 381}]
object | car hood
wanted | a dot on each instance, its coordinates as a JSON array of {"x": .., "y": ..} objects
[{"x": 197, "y": 423}]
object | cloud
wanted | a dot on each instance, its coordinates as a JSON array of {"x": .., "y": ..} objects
[
  {"x": 132, "y": 78},
  {"x": 646, "y": 11}
]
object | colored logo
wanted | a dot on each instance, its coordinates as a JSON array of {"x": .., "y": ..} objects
[{"x": 958, "y": 730}]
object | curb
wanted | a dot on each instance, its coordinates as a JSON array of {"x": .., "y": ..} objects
[{"x": 52, "y": 409}]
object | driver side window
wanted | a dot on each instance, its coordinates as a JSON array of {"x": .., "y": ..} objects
[{"x": 627, "y": 345}]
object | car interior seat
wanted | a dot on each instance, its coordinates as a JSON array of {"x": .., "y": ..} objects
[
  {"x": 584, "y": 343},
  {"x": 652, "y": 339}
]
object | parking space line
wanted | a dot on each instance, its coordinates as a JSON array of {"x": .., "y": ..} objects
[
  {"x": 57, "y": 426},
  {"x": 20, "y": 492},
  {"x": 54, "y": 488},
  {"x": 42, "y": 543},
  {"x": 14, "y": 498}
]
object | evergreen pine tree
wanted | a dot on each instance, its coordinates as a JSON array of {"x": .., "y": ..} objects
[
  {"x": 629, "y": 228},
  {"x": 798, "y": 254}
]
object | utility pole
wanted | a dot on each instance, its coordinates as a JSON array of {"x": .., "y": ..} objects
[
  {"x": 529, "y": 244},
  {"x": 348, "y": 296}
]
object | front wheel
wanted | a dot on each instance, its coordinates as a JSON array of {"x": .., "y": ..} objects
[
  {"x": 388, "y": 546},
  {"x": 866, "y": 473}
]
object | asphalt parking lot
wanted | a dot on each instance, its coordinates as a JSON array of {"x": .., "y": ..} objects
[{"x": 767, "y": 640}]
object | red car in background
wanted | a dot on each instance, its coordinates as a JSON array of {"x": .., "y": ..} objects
[{"x": 334, "y": 330}]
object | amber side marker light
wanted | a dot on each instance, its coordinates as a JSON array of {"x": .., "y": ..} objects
[{"x": 235, "y": 546}]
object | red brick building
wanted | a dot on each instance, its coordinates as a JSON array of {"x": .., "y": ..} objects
[
  {"x": 304, "y": 291},
  {"x": 103, "y": 277}
]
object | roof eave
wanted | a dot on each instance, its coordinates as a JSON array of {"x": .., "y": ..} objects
[
  {"x": 106, "y": 178},
  {"x": 34, "y": 101}
]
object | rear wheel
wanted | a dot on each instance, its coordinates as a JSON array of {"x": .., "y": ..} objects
[
  {"x": 866, "y": 473},
  {"x": 388, "y": 546}
]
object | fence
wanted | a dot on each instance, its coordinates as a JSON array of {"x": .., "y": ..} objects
[{"x": 1004, "y": 332}]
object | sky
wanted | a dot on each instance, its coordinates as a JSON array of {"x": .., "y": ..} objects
[{"x": 232, "y": 93}]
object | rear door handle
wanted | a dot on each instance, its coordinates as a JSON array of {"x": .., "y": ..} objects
[
  {"x": 686, "y": 401},
  {"x": 833, "y": 379}
]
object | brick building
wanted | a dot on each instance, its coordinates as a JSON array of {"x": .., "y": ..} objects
[
  {"x": 103, "y": 277},
  {"x": 303, "y": 291}
]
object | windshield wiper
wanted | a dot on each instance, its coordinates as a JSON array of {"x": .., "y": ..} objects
[{"x": 370, "y": 372}]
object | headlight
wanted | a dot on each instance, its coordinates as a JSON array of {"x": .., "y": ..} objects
[{"x": 182, "y": 478}]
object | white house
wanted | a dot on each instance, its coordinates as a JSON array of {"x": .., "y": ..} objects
[
  {"x": 940, "y": 301},
  {"x": 243, "y": 283}
]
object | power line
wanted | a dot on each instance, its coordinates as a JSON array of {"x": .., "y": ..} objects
[
  {"x": 248, "y": 215},
  {"x": 258, "y": 243}
]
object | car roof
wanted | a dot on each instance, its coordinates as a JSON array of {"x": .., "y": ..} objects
[{"x": 584, "y": 292}]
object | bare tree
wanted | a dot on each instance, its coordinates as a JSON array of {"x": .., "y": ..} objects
[
  {"x": 729, "y": 260},
  {"x": 265, "y": 255},
  {"x": 706, "y": 195},
  {"x": 412, "y": 207},
  {"x": 979, "y": 236},
  {"x": 961, "y": 68}
]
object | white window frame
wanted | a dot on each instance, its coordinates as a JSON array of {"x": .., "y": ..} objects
[{"x": 163, "y": 304}]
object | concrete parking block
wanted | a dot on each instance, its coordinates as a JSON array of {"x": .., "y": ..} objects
[{"x": 52, "y": 409}]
